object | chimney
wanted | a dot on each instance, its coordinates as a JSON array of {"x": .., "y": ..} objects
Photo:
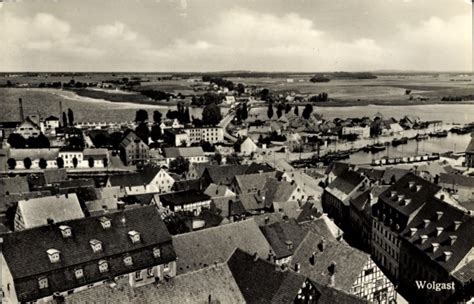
[
  {"x": 332, "y": 280},
  {"x": 66, "y": 195},
  {"x": 120, "y": 205},
  {"x": 267, "y": 220},
  {"x": 22, "y": 114},
  {"x": 50, "y": 221},
  {"x": 332, "y": 268},
  {"x": 322, "y": 245},
  {"x": 255, "y": 257},
  {"x": 312, "y": 258},
  {"x": 289, "y": 245}
]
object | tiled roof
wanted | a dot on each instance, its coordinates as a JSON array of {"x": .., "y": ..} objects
[
  {"x": 46, "y": 153},
  {"x": 260, "y": 281},
  {"x": 371, "y": 173},
  {"x": 457, "y": 180},
  {"x": 14, "y": 185},
  {"x": 465, "y": 273},
  {"x": 278, "y": 191},
  {"x": 437, "y": 221},
  {"x": 349, "y": 261},
  {"x": 129, "y": 138},
  {"x": 214, "y": 190},
  {"x": 36, "y": 211},
  {"x": 183, "y": 198},
  {"x": 203, "y": 248},
  {"x": 291, "y": 209},
  {"x": 284, "y": 237},
  {"x": 174, "y": 152},
  {"x": 54, "y": 175},
  {"x": 140, "y": 178},
  {"x": 322, "y": 226},
  {"x": 337, "y": 168},
  {"x": 27, "y": 259},
  {"x": 229, "y": 206},
  {"x": 223, "y": 175},
  {"x": 344, "y": 184},
  {"x": 310, "y": 210},
  {"x": 97, "y": 154},
  {"x": 393, "y": 173},
  {"x": 251, "y": 183},
  {"x": 187, "y": 184},
  {"x": 215, "y": 284}
]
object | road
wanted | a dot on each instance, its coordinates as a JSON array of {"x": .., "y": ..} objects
[{"x": 225, "y": 122}]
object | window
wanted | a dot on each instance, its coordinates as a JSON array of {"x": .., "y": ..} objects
[
  {"x": 43, "y": 282},
  {"x": 103, "y": 266},
  {"x": 134, "y": 236},
  {"x": 156, "y": 252},
  {"x": 105, "y": 222},
  {"x": 166, "y": 267},
  {"x": 368, "y": 271},
  {"x": 96, "y": 245},
  {"x": 78, "y": 273},
  {"x": 149, "y": 272},
  {"x": 53, "y": 255},
  {"x": 127, "y": 260},
  {"x": 138, "y": 275},
  {"x": 65, "y": 231}
]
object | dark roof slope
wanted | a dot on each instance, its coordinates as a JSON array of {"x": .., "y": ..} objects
[
  {"x": 140, "y": 178},
  {"x": 260, "y": 282},
  {"x": 457, "y": 180},
  {"x": 284, "y": 237},
  {"x": 470, "y": 147},
  {"x": 183, "y": 197}
]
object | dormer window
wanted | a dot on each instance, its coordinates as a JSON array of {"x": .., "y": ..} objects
[
  {"x": 134, "y": 236},
  {"x": 393, "y": 194},
  {"x": 447, "y": 255},
  {"x": 413, "y": 231},
  {"x": 105, "y": 222},
  {"x": 79, "y": 273},
  {"x": 66, "y": 231},
  {"x": 418, "y": 188},
  {"x": 423, "y": 238},
  {"x": 96, "y": 245},
  {"x": 406, "y": 201},
  {"x": 289, "y": 245},
  {"x": 439, "y": 230},
  {"x": 452, "y": 239},
  {"x": 457, "y": 224},
  {"x": 127, "y": 260},
  {"x": 157, "y": 252},
  {"x": 103, "y": 266},
  {"x": 411, "y": 184},
  {"x": 43, "y": 282},
  {"x": 401, "y": 197},
  {"x": 53, "y": 255},
  {"x": 426, "y": 222},
  {"x": 439, "y": 214},
  {"x": 434, "y": 246}
]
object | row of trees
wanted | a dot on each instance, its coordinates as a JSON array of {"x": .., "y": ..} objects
[
  {"x": 17, "y": 141},
  {"x": 43, "y": 163},
  {"x": 68, "y": 119},
  {"x": 307, "y": 111}
]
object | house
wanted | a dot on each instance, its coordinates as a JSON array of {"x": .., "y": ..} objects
[
  {"x": 470, "y": 153},
  {"x": 200, "y": 249},
  {"x": 283, "y": 237},
  {"x": 192, "y": 154},
  {"x": 323, "y": 226},
  {"x": 49, "y": 262},
  {"x": 437, "y": 246},
  {"x": 133, "y": 151},
  {"x": 30, "y": 127},
  {"x": 221, "y": 175},
  {"x": 13, "y": 185},
  {"x": 176, "y": 137},
  {"x": 229, "y": 100},
  {"x": 41, "y": 211},
  {"x": 7, "y": 128},
  {"x": 148, "y": 180},
  {"x": 218, "y": 191},
  {"x": 334, "y": 263},
  {"x": 251, "y": 183},
  {"x": 461, "y": 186},
  {"x": 50, "y": 155},
  {"x": 95, "y": 157},
  {"x": 336, "y": 195},
  {"x": 248, "y": 147},
  {"x": 362, "y": 132},
  {"x": 280, "y": 192},
  {"x": 191, "y": 200},
  {"x": 196, "y": 135},
  {"x": 393, "y": 212},
  {"x": 50, "y": 124}
]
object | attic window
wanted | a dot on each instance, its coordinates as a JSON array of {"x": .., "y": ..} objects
[
  {"x": 96, "y": 245},
  {"x": 411, "y": 184},
  {"x": 447, "y": 255},
  {"x": 393, "y": 194},
  {"x": 289, "y": 245},
  {"x": 127, "y": 260},
  {"x": 413, "y": 231},
  {"x": 401, "y": 197},
  {"x": 439, "y": 230},
  {"x": 452, "y": 239},
  {"x": 79, "y": 273},
  {"x": 439, "y": 214},
  {"x": 103, "y": 266},
  {"x": 53, "y": 255},
  {"x": 105, "y": 222},
  {"x": 65, "y": 231},
  {"x": 418, "y": 188},
  {"x": 457, "y": 224},
  {"x": 406, "y": 202},
  {"x": 134, "y": 236},
  {"x": 156, "y": 252},
  {"x": 43, "y": 282},
  {"x": 423, "y": 238},
  {"x": 434, "y": 246},
  {"x": 426, "y": 222}
]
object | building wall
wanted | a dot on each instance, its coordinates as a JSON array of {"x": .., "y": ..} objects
[
  {"x": 8, "y": 286},
  {"x": 373, "y": 285},
  {"x": 196, "y": 208},
  {"x": 333, "y": 207},
  {"x": 212, "y": 135},
  {"x": 386, "y": 248},
  {"x": 135, "y": 153},
  {"x": 469, "y": 159},
  {"x": 26, "y": 129}
]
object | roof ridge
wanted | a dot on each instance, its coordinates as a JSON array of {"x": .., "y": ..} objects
[{"x": 215, "y": 227}]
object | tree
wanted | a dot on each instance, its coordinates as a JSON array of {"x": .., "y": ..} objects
[
  {"x": 60, "y": 162},
  {"x": 143, "y": 132},
  {"x": 75, "y": 162},
  {"x": 287, "y": 108},
  {"x": 308, "y": 109},
  {"x": 157, "y": 117},
  {"x": 264, "y": 94},
  {"x": 233, "y": 159},
  {"x": 155, "y": 133},
  {"x": 27, "y": 162},
  {"x": 280, "y": 108},
  {"x": 64, "y": 119},
  {"x": 186, "y": 116},
  {"x": 141, "y": 116},
  {"x": 43, "y": 163},
  {"x": 245, "y": 112},
  {"x": 296, "y": 111},
  {"x": 179, "y": 165},
  {"x": 90, "y": 161},
  {"x": 11, "y": 163},
  {"x": 207, "y": 146},
  {"x": 70, "y": 116},
  {"x": 211, "y": 114},
  {"x": 16, "y": 141},
  {"x": 270, "y": 111},
  {"x": 42, "y": 141},
  {"x": 240, "y": 88},
  {"x": 218, "y": 158}
]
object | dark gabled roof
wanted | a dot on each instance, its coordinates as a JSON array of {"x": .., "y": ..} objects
[
  {"x": 463, "y": 243},
  {"x": 255, "y": 182},
  {"x": 457, "y": 180},
  {"x": 345, "y": 183},
  {"x": 51, "y": 118},
  {"x": 128, "y": 138},
  {"x": 465, "y": 273},
  {"x": 308, "y": 211},
  {"x": 141, "y": 199},
  {"x": 322, "y": 226},
  {"x": 203, "y": 248},
  {"x": 329, "y": 295},
  {"x": 281, "y": 234},
  {"x": 14, "y": 185},
  {"x": 258, "y": 167},
  {"x": 223, "y": 175},
  {"x": 183, "y": 198},
  {"x": 402, "y": 187},
  {"x": 140, "y": 178},
  {"x": 54, "y": 175},
  {"x": 393, "y": 173},
  {"x": 279, "y": 191},
  {"x": 251, "y": 202},
  {"x": 174, "y": 152},
  {"x": 260, "y": 282},
  {"x": 337, "y": 168},
  {"x": 27, "y": 259},
  {"x": 228, "y": 206},
  {"x": 187, "y": 184},
  {"x": 349, "y": 261}
]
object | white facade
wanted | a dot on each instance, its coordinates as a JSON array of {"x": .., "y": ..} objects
[
  {"x": 212, "y": 135},
  {"x": 363, "y": 132}
]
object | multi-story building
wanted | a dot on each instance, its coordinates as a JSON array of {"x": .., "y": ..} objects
[
  {"x": 362, "y": 132},
  {"x": 133, "y": 151},
  {"x": 393, "y": 212},
  {"x": 30, "y": 127},
  {"x": 52, "y": 261},
  {"x": 192, "y": 154},
  {"x": 470, "y": 153},
  {"x": 148, "y": 180},
  {"x": 50, "y": 124},
  {"x": 209, "y": 134}
]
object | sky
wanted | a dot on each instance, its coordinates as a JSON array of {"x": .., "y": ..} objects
[{"x": 224, "y": 35}]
